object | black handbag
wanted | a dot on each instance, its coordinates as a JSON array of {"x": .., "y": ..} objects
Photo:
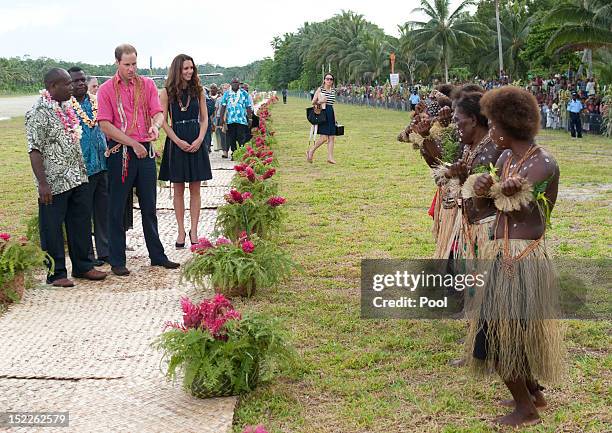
[
  {"x": 339, "y": 129},
  {"x": 314, "y": 118}
]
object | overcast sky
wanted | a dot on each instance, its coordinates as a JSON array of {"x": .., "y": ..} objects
[{"x": 231, "y": 33}]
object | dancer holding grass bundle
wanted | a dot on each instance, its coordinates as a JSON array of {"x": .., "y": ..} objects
[
  {"x": 479, "y": 153},
  {"x": 513, "y": 326}
]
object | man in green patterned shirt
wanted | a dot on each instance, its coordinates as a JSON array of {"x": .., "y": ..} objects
[{"x": 53, "y": 133}]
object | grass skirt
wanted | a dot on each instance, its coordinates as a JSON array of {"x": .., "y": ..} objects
[
  {"x": 447, "y": 228},
  {"x": 476, "y": 236},
  {"x": 512, "y": 325}
]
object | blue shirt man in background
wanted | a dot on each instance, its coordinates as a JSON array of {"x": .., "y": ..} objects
[
  {"x": 237, "y": 103},
  {"x": 93, "y": 146},
  {"x": 574, "y": 107},
  {"x": 414, "y": 100}
]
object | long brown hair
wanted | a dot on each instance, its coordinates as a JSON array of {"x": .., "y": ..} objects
[{"x": 174, "y": 81}]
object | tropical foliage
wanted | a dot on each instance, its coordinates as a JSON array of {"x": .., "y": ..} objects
[
  {"x": 537, "y": 36},
  {"x": 435, "y": 41},
  {"x": 23, "y": 74}
]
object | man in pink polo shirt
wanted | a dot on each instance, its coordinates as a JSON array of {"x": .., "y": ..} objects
[{"x": 130, "y": 115}]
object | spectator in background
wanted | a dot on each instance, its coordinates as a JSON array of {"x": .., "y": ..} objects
[
  {"x": 325, "y": 97},
  {"x": 212, "y": 115},
  {"x": 414, "y": 100},
  {"x": 236, "y": 103},
  {"x": 575, "y": 107},
  {"x": 284, "y": 92},
  {"x": 590, "y": 87},
  {"x": 219, "y": 131},
  {"x": 210, "y": 109},
  {"x": 92, "y": 85}
]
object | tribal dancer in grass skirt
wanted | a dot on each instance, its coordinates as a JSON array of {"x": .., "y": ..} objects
[
  {"x": 432, "y": 133},
  {"x": 479, "y": 153},
  {"x": 513, "y": 319}
]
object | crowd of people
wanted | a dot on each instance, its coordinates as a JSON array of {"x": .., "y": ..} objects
[
  {"x": 553, "y": 95},
  {"x": 486, "y": 166},
  {"x": 91, "y": 145}
]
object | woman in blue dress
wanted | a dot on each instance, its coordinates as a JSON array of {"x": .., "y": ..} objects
[
  {"x": 185, "y": 158},
  {"x": 325, "y": 96}
]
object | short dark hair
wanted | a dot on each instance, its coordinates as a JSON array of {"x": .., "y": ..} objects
[
  {"x": 472, "y": 87},
  {"x": 446, "y": 89},
  {"x": 469, "y": 103},
  {"x": 124, "y": 49},
  {"x": 75, "y": 69},
  {"x": 514, "y": 109},
  {"x": 52, "y": 75},
  {"x": 444, "y": 101}
]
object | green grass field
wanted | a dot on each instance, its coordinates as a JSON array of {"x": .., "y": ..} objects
[{"x": 374, "y": 375}]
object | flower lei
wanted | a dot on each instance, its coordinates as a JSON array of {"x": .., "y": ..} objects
[
  {"x": 66, "y": 115},
  {"x": 82, "y": 114},
  {"x": 234, "y": 97}
]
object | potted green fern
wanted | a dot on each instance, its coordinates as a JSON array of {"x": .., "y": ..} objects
[
  {"x": 220, "y": 351},
  {"x": 237, "y": 268},
  {"x": 243, "y": 212},
  {"x": 17, "y": 259}
]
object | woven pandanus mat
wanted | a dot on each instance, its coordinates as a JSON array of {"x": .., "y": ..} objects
[
  {"x": 218, "y": 163},
  {"x": 166, "y": 222},
  {"x": 76, "y": 333},
  {"x": 221, "y": 178},
  {"x": 121, "y": 405},
  {"x": 211, "y": 197}
]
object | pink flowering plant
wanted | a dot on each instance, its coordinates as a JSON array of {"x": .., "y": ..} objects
[
  {"x": 243, "y": 212},
  {"x": 18, "y": 256},
  {"x": 259, "y": 159},
  {"x": 221, "y": 351},
  {"x": 236, "y": 268},
  {"x": 260, "y": 183}
]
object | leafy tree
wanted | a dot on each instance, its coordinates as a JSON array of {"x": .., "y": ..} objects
[{"x": 446, "y": 30}]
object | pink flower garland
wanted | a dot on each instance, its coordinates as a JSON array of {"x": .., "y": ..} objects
[{"x": 66, "y": 115}]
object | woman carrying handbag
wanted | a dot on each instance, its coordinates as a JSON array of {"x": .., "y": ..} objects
[{"x": 325, "y": 96}]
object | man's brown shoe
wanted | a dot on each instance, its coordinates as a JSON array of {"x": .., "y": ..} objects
[
  {"x": 122, "y": 271},
  {"x": 62, "y": 282},
  {"x": 91, "y": 274}
]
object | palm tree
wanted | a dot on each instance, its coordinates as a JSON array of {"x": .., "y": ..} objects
[
  {"x": 370, "y": 60},
  {"x": 339, "y": 39},
  {"x": 408, "y": 60},
  {"x": 583, "y": 24},
  {"x": 446, "y": 30},
  {"x": 512, "y": 29},
  {"x": 499, "y": 38}
]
